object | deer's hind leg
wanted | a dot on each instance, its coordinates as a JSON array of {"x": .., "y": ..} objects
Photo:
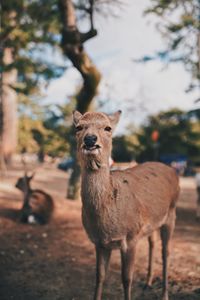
[
  {"x": 151, "y": 241},
  {"x": 166, "y": 232},
  {"x": 198, "y": 204}
]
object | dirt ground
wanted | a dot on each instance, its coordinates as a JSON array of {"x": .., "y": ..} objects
[{"x": 57, "y": 262}]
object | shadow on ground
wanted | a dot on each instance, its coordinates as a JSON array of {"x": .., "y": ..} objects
[{"x": 56, "y": 261}]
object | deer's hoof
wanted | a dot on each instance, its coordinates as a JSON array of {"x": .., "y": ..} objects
[{"x": 147, "y": 286}]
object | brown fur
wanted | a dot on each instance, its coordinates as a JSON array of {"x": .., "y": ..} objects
[
  {"x": 198, "y": 203},
  {"x": 120, "y": 207},
  {"x": 37, "y": 205},
  {"x": 198, "y": 196}
]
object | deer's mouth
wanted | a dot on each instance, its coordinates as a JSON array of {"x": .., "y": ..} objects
[{"x": 91, "y": 149}]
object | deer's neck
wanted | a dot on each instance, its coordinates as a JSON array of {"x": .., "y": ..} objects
[
  {"x": 27, "y": 191},
  {"x": 96, "y": 186}
]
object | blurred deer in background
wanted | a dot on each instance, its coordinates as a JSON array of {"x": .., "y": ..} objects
[
  {"x": 120, "y": 207},
  {"x": 37, "y": 205}
]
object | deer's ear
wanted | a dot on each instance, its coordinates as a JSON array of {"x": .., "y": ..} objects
[
  {"x": 31, "y": 176},
  {"x": 114, "y": 119},
  {"x": 76, "y": 117}
]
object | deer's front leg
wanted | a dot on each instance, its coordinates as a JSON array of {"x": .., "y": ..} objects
[
  {"x": 102, "y": 262},
  {"x": 127, "y": 260}
]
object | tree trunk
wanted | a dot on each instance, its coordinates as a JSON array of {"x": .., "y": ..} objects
[
  {"x": 8, "y": 128},
  {"x": 72, "y": 44}
]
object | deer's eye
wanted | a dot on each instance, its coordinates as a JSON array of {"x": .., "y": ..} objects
[
  {"x": 108, "y": 128},
  {"x": 79, "y": 128}
]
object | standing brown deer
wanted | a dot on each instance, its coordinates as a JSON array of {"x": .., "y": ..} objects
[
  {"x": 120, "y": 207},
  {"x": 37, "y": 205}
]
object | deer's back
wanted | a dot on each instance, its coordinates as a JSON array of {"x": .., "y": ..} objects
[
  {"x": 147, "y": 191},
  {"x": 40, "y": 204},
  {"x": 40, "y": 200}
]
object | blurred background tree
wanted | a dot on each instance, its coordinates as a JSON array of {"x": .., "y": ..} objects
[
  {"x": 28, "y": 28},
  {"x": 124, "y": 147},
  {"x": 179, "y": 23},
  {"x": 44, "y": 130},
  {"x": 179, "y": 134},
  {"x": 73, "y": 41}
]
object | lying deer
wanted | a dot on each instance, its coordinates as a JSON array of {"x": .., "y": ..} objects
[
  {"x": 37, "y": 206},
  {"x": 121, "y": 207}
]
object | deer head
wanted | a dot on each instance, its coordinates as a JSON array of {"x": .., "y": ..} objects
[
  {"x": 23, "y": 183},
  {"x": 94, "y": 137}
]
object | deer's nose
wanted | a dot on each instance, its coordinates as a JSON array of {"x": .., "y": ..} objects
[{"x": 90, "y": 140}]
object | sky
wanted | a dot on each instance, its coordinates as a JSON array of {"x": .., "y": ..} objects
[{"x": 136, "y": 89}]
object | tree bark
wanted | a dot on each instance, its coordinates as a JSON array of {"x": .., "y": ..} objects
[
  {"x": 73, "y": 47},
  {"x": 8, "y": 130}
]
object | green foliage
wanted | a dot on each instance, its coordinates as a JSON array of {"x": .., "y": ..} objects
[
  {"x": 43, "y": 129},
  {"x": 123, "y": 149},
  {"x": 32, "y": 30},
  {"x": 29, "y": 28},
  {"x": 178, "y": 134},
  {"x": 179, "y": 22},
  {"x": 27, "y": 139}
]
